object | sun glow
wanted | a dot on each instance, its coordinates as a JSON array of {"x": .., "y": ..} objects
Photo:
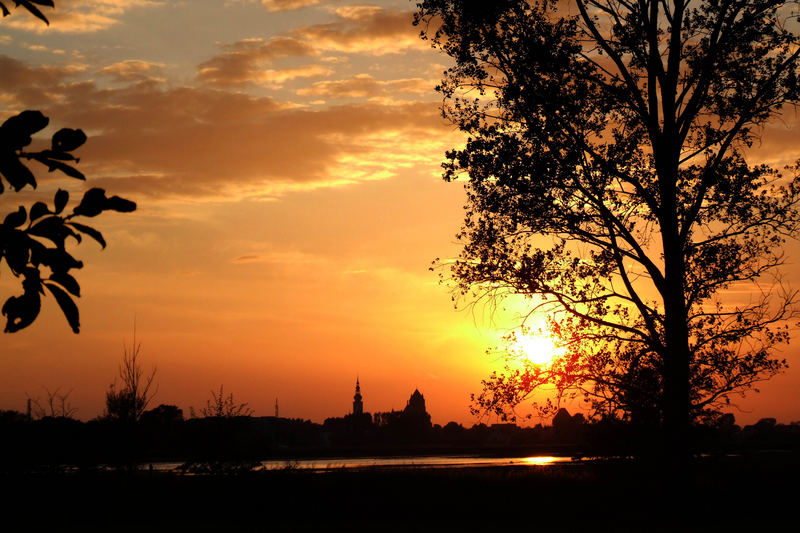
[{"x": 538, "y": 349}]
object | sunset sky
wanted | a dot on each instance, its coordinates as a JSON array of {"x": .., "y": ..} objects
[{"x": 284, "y": 155}]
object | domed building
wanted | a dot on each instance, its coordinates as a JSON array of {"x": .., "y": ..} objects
[
  {"x": 416, "y": 404},
  {"x": 410, "y": 423}
]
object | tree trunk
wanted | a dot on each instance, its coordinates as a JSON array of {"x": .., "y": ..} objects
[
  {"x": 676, "y": 399},
  {"x": 676, "y": 382}
]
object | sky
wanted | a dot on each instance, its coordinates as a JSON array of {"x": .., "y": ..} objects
[{"x": 285, "y": 158}]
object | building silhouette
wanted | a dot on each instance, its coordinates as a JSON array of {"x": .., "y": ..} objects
[
  {"x": 358, "y": 426},
  {"x": 416, "y": 404},
  {"x": 358, "y": 405},
  {"x": 410, "y": 424}
]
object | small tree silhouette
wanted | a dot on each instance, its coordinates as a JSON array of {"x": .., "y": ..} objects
[
  {"x": 130, "y": 400},
  {"x": 55, "y": 405},
  {"x": 222, "y": 406}
]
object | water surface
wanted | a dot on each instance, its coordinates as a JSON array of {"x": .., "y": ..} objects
[{"x": 421, "y": 461}]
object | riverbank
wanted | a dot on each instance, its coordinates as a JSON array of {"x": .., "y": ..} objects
[{"x": 721, "y": 494}]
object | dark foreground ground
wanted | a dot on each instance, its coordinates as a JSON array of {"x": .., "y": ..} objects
[{"x": 752, "y": 493}]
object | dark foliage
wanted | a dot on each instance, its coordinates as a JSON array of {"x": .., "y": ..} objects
[
  {"x": 31, "y": 6},
  {"x": 33, "y": 240},
  {"x": 607, "y": 181}
]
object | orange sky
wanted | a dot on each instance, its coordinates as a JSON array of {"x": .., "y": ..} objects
[{"x": 285, "y": 156}]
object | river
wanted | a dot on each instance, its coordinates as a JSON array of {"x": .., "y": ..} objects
[{"x": 420, "y": 461}]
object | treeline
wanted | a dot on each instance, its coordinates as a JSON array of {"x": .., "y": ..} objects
[{"x": 200, "y": 444}]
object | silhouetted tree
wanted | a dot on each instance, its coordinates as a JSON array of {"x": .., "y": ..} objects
[
  {"x": 55, "y": 405},
  {"x": 222, "y": 406},
  {"x": 163, "y": 414},
  {"x": 33, "y": 240},
  {"x": 130, "y": 400},
  {"x": 607, "y": 180}
]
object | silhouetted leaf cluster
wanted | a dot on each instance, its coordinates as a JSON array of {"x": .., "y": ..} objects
[
  {"x": 33, "y": 240},
  {"x": 36, "y": 238},
  {"x": 30, "y": 5}
]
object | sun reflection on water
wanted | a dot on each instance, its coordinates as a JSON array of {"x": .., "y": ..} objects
[{"x": 540, "y": 461}]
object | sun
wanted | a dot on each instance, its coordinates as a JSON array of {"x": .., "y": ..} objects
[{"x": 538, "y": 349}]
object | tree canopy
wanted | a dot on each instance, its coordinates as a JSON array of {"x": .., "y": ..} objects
[
  {"x": 607, "y": 175},
  {"x": 33, "y": 240}
]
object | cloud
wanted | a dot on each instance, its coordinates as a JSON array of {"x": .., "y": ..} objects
[
  {"x": 79, "y": 16},
  {"x": 202, "y": 142},
  {"x": 133, "y": 70},
  {"x": 266, "y": 77},
  {"x": 243, "y": 63},
  {"x": 247, "y": 259},
  {"x": 357, "y": 29},
  {"x": 287, "y": 5},
  {"x": 282, "y": 257},
  {"x": 777, "y": 142},
  {"x": 24, "y": 85},
  {"x": 365, "y": 29},
  {"x": 365, "y": 86}
]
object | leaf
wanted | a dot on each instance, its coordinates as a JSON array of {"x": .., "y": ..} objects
[
  {"x": 67, "y": 306},
  {"x": 21, "y": 311},
  {"x": 16, "y": 131},
  {"x": 66, "y": 281},
  {"x": 17, "y": 250},
  {"x": 66, "y": 139},
  {"x": 115, "y": 203},
  {"x": 58, "y": 260},
  {"x": 38, "y": 251},
  {"x": 50, "y": 228},
  {"x": 17, "y": 174},
  {"x": 91, "y": 232},
  {"x": 61, "y": 156},
  {"x": 92, "y": 203},
  {"x": 63, "y": 167},
  {"x": 39, "y": 209},
  {"x": 33, "y": 10},
  {"x": 60, "y": 200},
  {"x": 17, "y": 218}
]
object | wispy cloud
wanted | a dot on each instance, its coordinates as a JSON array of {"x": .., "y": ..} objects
[
  {"x": 287, "y": 5},
  {"x": 133, "y": 70},
  {"x": 365, "y": 86},
  {"x": 365, "y": 29},
  {"x": 80, "y": 16},
  {"x": 245, "y": 62},
  {"x": 370, "y": 30}
]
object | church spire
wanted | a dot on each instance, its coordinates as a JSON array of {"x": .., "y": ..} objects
[{"x": 358, "y": 405}]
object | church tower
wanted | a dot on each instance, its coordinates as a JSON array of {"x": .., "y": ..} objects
[{"x": 358, "y": 405}]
